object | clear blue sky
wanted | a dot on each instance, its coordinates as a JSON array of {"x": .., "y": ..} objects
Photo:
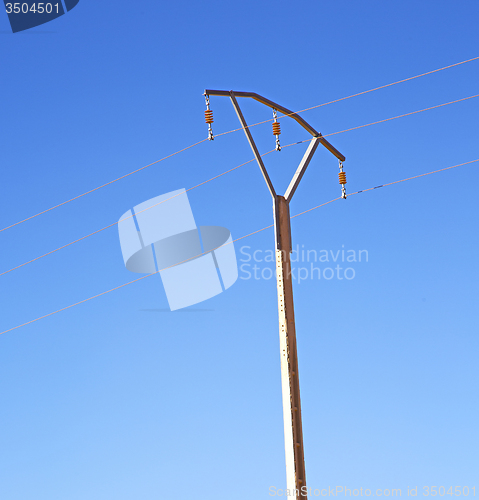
[{"x": 120, "y": 399}]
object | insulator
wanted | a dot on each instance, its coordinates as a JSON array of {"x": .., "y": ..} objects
[
  {"x": 209, "y": 116},
  {"x": 342, "y": 177},
  {"x": 276, "y": 128}
]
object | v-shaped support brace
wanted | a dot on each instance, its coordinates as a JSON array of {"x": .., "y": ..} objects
[{"x": 317, "y": 138}]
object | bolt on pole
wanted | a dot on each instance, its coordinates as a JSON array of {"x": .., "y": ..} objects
[{"x": 293, "y": 432}]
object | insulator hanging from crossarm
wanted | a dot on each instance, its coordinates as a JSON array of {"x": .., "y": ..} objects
[
  {"x": 276, "y": 129},
  {"x": 209, "y": 117},
  {"x": 342, "y": 180}
]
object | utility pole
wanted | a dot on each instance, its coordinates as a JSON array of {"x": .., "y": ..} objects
[{"x": 293, "y": 432}]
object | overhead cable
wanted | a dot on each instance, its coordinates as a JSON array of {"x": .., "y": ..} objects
[
  {"x": 229, "y": 132},
  {"x": 237, "y": 239}
]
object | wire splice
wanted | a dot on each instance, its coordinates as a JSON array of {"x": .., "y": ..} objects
[
  {"x": 342, "y": 180},
  {"x": 209, "y": 118},
  {"x": 276, "y": 129}
]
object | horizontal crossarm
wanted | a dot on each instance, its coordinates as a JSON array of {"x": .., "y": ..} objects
[{"x": 283, "y": 110}]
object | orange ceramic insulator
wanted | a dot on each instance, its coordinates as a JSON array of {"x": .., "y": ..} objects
[
  {"x": 209, "y": 116},
  {"x": 342, "y": 177},
  {"x": 276, "y": 128}
]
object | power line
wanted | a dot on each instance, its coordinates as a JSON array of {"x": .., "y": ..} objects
[
  {"x": 405, "y": 114},
  {"x": 414, "y": 177},
  {"x": 392, "y": 118},
  {"x": 229, "y": 132},
  {"x": 231, "y": 170},
  {"x": 102, "y": 186},
  {"x": 121, "y": 286},
  {"x": 387, "y": 184},
  {"x": 237, "y": 239},
  {"x": 129, "y": 217},
  {"x": 78, "y": 303},
  {"x": 358, "y": 94}
]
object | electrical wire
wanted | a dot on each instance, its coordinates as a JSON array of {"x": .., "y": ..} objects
[
  {"x": 405, "y": 114},
  {"x": 229, "y": 132},
  {"x": 387, "y": 184},
  {"x": 414, "y": 177},
  {"x": 231, "y": 170},
  {"x": 355, "y": 95},
  {"x": 102, "y": 186},
  {"x": 392, "y": 118},
  {"x": 125, "y": 218},
  {"x": 78, "y": 303},
  {"x": 237, "y": 239}
]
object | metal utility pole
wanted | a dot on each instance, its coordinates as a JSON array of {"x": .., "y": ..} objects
[{"x": 293, "y": 432}]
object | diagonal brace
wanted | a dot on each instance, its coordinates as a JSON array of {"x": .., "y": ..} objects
[
  {"x": 301, "y": 168},
  {"x": 253, "y": 145}
]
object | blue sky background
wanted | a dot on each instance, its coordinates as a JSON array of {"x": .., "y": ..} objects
[{"x": 119, "y": 399}]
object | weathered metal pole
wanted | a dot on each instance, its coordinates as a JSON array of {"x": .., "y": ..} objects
[{"x": 293, "y": 431}]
